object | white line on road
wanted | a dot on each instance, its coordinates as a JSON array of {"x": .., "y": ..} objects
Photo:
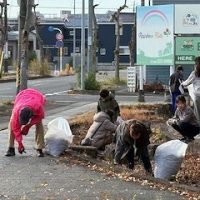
[
  {"x": 7, "y": 96},
  {"x": 56, "y": 93},
  {"x": 65, "y": 101},
  {"x": 37, "y": 84},
  {"x": 3, "y": 89}
]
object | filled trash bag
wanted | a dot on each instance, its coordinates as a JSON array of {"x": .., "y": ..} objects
[
  {"x": 58, "y": 136},
  {"x": 168, "y": 158}
]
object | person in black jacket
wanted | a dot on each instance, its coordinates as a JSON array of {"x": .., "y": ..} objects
[
  {"x": 132, "y": 138},
  {"x": 108, "y": 102}
]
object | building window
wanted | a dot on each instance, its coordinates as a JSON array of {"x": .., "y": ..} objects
[
  {"x": 124, "y": 51},
  {"x": 65, "y": 50},
  {"x": 71, "y": 33},
  {"x": 77, "y": 50},
  {"x": 102, "y": 51}
]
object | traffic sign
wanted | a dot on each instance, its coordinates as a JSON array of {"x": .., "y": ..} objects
[
  {"x": 59, "y": 36},
  {"x": 59, "y": 44},
  {"x": 50, "y": 29}
]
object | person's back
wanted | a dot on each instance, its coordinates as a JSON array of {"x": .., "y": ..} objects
[
  {"x": 100, "y": 132},
  {"x": 28, "y": 110}
]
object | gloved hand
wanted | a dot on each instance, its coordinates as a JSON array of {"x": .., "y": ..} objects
[
  {"x": 21, "y": 148},
  {"x": 115, "y": 162},
  {"x": 171, "y": 121},
  {"x": 24, "y": 133}
]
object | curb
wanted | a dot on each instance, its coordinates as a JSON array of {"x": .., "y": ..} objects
[
  {"x": 119, "y": 169},
  {"x": 30, "y": 78}
]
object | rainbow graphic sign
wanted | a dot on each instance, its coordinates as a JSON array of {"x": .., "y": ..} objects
[{"x": 155, "y": 42}]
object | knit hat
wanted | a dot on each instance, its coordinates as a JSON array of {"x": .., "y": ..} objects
[
  {"x": 104, "y": 93},
  {"x": 25, "y": 115}
]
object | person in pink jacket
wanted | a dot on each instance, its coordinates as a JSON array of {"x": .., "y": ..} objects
[{"x": 28, "y": 110}]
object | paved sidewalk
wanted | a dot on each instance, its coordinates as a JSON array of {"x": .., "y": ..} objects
[{"x": 29, "y": 177}]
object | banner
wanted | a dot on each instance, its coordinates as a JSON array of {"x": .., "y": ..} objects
[
  {"x": 187, "y": 18},
  {"x": 155, "y": 38},
  {"x": 187, "y": 48}
]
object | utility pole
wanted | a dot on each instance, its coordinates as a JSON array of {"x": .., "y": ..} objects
[
  {"x": 90, "y": 38},
  {"x": 141, "y": 97},
  {"x": 83, "y": 46},
  {"x": 39, "y": 39},
  {"x": 74, "y": 37},
  {"x": 1, "y": 37},
  {"x": 5, "y": 37}
]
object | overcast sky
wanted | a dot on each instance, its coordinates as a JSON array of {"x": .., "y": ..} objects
[{"x": 54, "y": 6}]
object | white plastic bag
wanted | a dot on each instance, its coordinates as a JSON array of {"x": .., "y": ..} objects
[
  {"x": 58, "y": 136},
  {"x": 168, "y": 158}
]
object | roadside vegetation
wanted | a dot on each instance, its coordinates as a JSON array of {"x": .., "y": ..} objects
[{"x": 189, "y": 173}]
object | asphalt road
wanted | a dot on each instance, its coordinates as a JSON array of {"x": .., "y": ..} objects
[
  {"x": 28, "y": 177},
  {"x": 48, "y": 86}
]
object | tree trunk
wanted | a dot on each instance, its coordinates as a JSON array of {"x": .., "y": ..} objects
[
  {"x": 132, "y": 45},
  {"x": 115, "y": 17},
  {"x": 117, "y": 47},
  {"x": 26, "y": 9}
]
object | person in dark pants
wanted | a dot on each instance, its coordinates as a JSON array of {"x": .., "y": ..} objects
[
  {"x": 174, "y": 83},
  {"x": 184, "y": 120},
  {"x": 132, "y": 138}
]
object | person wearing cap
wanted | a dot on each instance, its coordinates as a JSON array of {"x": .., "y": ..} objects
[
  {"x": 174, "y": 82},
  {"x": 28, "y": 110},
  {"x": 108, "y": 102},
  {"x": 132, "y": 139}
]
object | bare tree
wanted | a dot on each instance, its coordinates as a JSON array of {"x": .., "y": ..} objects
[
  {"x": 26, "y": 22},
  {"x": 115, "y": 18},
  {"x": 95, "y": 40},
  {"x": 132, "y": 43}
]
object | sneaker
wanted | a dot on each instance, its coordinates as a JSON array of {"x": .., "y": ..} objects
[
  {"x": 10, "y": 152},
  {"x": 188, "y": 140},
  {"x": 131, "y": 165},
  {"x": 40, "y": 153}
]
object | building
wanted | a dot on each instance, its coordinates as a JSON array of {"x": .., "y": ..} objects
[{"x": 106, "y": 38}]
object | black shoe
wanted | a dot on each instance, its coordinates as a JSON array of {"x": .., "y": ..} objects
[
  {"x": 10, "y": 152},
  {"x": 131, "y": 165},
  {"x": 40, "y": 153},
  {"x": 188, "y": 140},
  {"x": 183, "y": 139}
]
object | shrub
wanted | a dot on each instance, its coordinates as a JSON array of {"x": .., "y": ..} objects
[
  {"x": 91, "y": 83},
  {"x": 39, "y": 68}
]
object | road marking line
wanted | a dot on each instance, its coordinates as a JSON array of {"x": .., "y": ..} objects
[{"x": 56, "y": 93}]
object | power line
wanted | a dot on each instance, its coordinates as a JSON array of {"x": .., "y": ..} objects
[{"x": 78, "y": 8}]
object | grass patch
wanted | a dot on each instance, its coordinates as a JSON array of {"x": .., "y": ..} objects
[{"x": 112, "y": 83}]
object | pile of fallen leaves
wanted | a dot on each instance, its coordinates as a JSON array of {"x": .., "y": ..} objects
[
  {"x": 190, "y": 171},
  {"x": 188, "y": 174}
]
